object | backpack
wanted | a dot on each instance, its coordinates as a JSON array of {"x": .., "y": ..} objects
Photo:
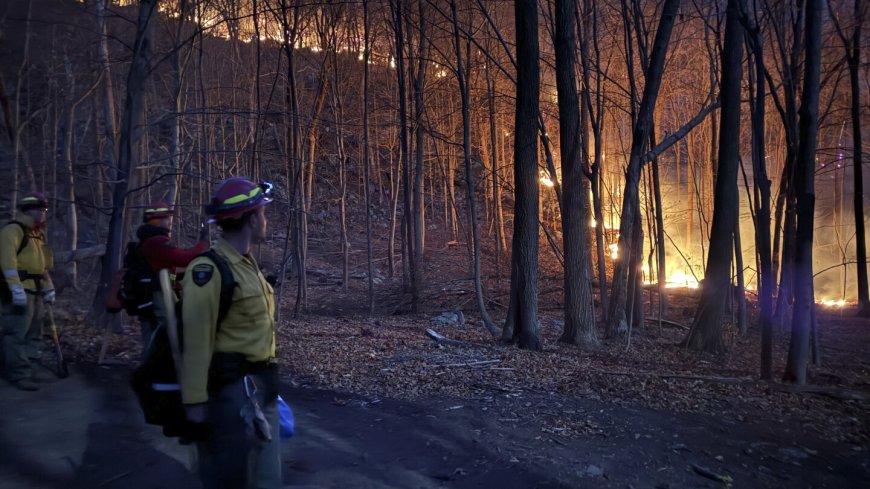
[
  {"x": 138, "y": 283},
  {"x": 155, "y": 381},
  {"x": 5, "y": 292}
]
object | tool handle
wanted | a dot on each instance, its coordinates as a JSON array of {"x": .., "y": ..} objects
[{"x": 171, "y": 320}]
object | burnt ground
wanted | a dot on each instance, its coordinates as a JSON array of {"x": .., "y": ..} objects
[{"x": 86, "y": 432}]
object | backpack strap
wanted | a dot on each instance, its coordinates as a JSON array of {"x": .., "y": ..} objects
[
  {"x": 228, "y": 283},
  {"x": 25, "y": 239}
]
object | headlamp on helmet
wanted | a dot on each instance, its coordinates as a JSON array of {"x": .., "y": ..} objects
[
  {"x": 236, "y": 197},
  {"x": 157, "y": 210},
  {"x": 33, "y": 200}
]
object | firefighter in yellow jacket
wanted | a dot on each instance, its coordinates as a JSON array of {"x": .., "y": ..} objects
[
  {"x": 228, "y": 375},
  {"x": 27, "y": 287}
]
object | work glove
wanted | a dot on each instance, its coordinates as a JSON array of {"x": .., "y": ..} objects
[
  {"x": 48, "y": 296},
  {"x": 19, "y": 299},
  {"x": 196, "y": 428}
]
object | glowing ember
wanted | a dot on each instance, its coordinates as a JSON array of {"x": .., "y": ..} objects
[{"x": 833, "y": 302}]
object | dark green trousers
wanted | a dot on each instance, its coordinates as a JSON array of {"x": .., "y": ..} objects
[
  {"x": 232, "y": 459},
  {"x": 22, "y": 336}
]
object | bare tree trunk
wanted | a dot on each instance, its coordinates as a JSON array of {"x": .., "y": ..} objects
[
  {"x": 130, "y": 131},
  {"x": 419, "y": 224},
  {"x": 852, "y": 46},
  {"x": 294, "y": 174},
  {"x": 778, "y": 210},
  {"x": 661, "y": 266},
  {"x": 338, "y": 114},
  {"x": 108, "y": 98},
  {"x": 407, "y": 226},
  {"x": 395, "y": 170},
  {"x": 367, "y": 159},
  {"x": 64, "y": 159},
  {"x": 521, "y": 324},
  {"x": 857, "y": 168},
  {"x": 579, "y": 314},
  {"x": 469, "y": 176},
  {"x": 640, "y": 138},
  {"x": 496, "y": 188},
  {"x": 706, "y": 330},
  {"x": 176, "y": 82},
  {"x": 741, "y": 285},
  {"x": 14, "y": 123},
  {"x": 787, "y": 199},
  {"x": 766, "y": 276},
  {"x": 798, "y": 353},
  {"x": 635, "y": 277},
  {"x": 590, "y": 30}
]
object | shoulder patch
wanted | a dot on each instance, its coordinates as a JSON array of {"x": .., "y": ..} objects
[{"x": 202, "y": 274}]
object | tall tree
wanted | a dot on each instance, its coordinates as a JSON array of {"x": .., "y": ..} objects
[
  {"x": 521, "y": 324},
  {"x": 293, "y": 166},
  {"x": 418, "y": 79},
  {"x": 852, "y": 46},
  {"x": 366, "y": 157},
  {"x": 766, "y": 279},
  {"x": 579, "y": 313},
  {"x": 404, "y": 157},
  {"x": 640, "y": 138},
  {"x": 64, "y": 160},
  {"x": 798, "y": 352},
  {"x": 131, "y": 129},
  {"x": 462, "y": 79},
  {"x": 595, "y": 111},
  {"x": 706, "y": 331},
  {"x": 107, "y": 103}
]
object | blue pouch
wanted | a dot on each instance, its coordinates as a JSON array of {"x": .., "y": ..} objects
[{"x": 285, "y": 419}]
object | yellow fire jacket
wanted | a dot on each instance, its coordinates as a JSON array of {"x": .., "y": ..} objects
[
  {"x": 32, "y": 259},
  {"x": 249, "y": 327}
]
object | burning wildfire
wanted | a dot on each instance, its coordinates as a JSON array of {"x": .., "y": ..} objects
[
  {"x": 834, "y": 303},
  {"x": 681, "y": 280},
  {"x": 675, "y": 280}
]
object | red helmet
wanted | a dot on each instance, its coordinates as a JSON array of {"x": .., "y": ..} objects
[
  {"x": 157, "y": 210},
  {"x": 237, "y": 196},
  {"x": 33, "y": 200}
]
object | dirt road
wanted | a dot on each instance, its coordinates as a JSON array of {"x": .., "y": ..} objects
[{"x": 86, "y": 432}]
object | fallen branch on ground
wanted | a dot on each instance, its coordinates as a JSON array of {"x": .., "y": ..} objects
[
  {"x": 837, "y": 393},
  {"x": 703, "y": 471},
  {"x": 707, "y": 378},
  {"x": 467, "y": 364},
  {"x": 666, "y": 322}
]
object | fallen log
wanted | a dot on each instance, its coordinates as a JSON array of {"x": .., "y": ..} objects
[
  {"x": 443, "y": 340},
  {"x": 79, "y": 254}
]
